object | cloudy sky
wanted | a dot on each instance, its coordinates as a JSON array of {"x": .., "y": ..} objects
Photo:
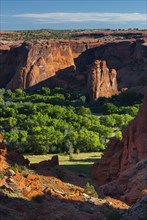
[{"x": 37, "y": 14}]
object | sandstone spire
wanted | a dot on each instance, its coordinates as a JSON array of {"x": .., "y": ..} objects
[{"x": 101, "y": 80}]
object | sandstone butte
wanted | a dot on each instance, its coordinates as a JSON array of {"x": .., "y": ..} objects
[
  {"x": 122, "y": 172},
  {"x": 33, "y": 64}
]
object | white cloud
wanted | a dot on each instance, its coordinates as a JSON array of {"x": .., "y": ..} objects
[{"x": 62, "y": 17}]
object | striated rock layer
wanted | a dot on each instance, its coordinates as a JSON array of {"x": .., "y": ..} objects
[
  {"x": 101, "y": 80},
  {"x": 122, "y": 172}
]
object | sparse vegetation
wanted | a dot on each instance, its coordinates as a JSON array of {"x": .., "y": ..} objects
[
  {"x": 89, "y": 189},
  {"x": 16, "y": 167},
  {"x": 49, "y": 34},
  {"x": 1, "y": 175}
]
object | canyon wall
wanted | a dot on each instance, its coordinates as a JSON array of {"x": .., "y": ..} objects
[
  {"x": 122, "y": 172},
  {"x": 42, "y": 62},
  {"x": 31, "y": 63}
]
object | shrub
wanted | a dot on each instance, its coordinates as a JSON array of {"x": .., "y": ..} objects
[
  {"x": 89, "y": 189},
  {"x": 16, "y": 167},
  {"x": 77, "y": 151},
  {"x": 1, "y": 175},
  {"x": 71, "y": 158},
  {"x": 118, "y": 135}
]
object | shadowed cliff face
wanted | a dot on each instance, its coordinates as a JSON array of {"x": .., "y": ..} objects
[
  {"x": 35, "y": 62},
  {"x": 123, "y": 168},
  {"x": 11, "y": 62}
]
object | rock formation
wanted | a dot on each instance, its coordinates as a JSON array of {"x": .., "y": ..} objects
[
  {"x": 25, "y": 65},
  {"x": 101, "y": 80},
  {"x": 65, "y": 62},
  {"x": 51, "y": 192},
  {"x": 43, "y": 60},
  {"x": 137, "y": 211},
  {"x": 122, "y": 172},
  {"x": 12, "y": 156}
]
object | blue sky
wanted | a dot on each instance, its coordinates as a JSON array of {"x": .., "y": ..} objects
[{"x": 37, "y": 14}]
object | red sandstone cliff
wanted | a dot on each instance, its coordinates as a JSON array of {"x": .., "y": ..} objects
[
  {"x": 43, "y": 60},
  {"x": 101, "y": 80},
  {"x": 27, "y": 64},
  {"x": 122, "y": 172}
]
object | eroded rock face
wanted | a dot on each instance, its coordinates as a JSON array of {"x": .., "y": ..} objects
[
  {"x": 137, "y": 211},
  {"x": 43, "y": 60},
  {"x": 27, "y": 64},
  {"x": 122, "y": 172},
  {"x": 30, "y": 63},
  {"x": 101, "y": 80}
]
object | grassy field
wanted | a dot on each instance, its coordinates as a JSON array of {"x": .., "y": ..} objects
[{"x": 81, "y": 163}]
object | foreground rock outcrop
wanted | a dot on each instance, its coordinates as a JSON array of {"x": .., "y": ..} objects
[
  {"x": 122, "y": 172},
  {"x": 48, "y": 192},
  {"x": 137, "y": 211},
  {"x": 101, "y": 80}
]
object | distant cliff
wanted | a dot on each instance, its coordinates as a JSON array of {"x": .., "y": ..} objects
[{"x": 65, "y": 63}]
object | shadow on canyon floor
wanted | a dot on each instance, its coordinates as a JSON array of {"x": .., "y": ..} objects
[{"x": 49, "y": 207}]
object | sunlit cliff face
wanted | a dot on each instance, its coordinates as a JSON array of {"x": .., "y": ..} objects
[{"x": 31, "y": 63}]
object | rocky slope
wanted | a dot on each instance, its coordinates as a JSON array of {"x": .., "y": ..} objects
[
  {"x": 123, "y": 170},
  {"x": 48, "y": 191},
  {"x": 65, "y": 63},
  {"x": 101, "y": 80},
  {"x": 137, "y": 211}
]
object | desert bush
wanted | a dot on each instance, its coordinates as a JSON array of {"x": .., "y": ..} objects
[{"x": 89, "y": 189}]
